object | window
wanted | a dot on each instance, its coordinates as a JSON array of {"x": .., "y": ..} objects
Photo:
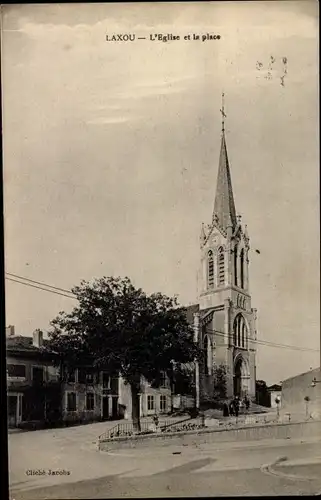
[
  {"x": 71, "y": 376},
  {"x": 210, "y": 271},
  {"x": 221, "y": 267},
  {"x": 106, "y": 380},
  {"x": 242, "y": 268},
  {"x": 16, "y": 371},
  {"x": 235, "y": 265},
  {"x": 163, "y": 380},
  {"x": 240, "y": 336},
  {"x": 37, "y": 374},
  {"x": 90, "y": 401},
  {"x": 243, "y": 336},
  {"x": 114, "y": 384},
  {"x": 81, "y": 376},
  {"x": 150, "y": 403},
  {"x": 90, "y": 377},
  {"x": 71, "y": 401},
  {"x": 162, "y": 402},
  {"x": 239, "y": 331}
]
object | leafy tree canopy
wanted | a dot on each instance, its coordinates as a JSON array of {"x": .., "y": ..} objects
[
  {"x": 220, "y": 382},
  {"x": 119, "y": 328}
]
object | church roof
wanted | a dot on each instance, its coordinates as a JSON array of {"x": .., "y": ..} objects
[
  {"x": 224, "y": 206},
  {"x": 190, "y": 311},
  {"x": 195, "y": 308}
]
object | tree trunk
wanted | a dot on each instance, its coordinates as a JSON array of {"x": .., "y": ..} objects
[
  {"x": 172, "y": 397},
  {"x": 135, "y": 407},
  {"x": 172, "y": 387}
]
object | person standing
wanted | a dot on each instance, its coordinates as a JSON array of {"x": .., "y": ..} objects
[
  {"x": 236, "y": 406},
  {"x": 156, "y": 421},
  {"x": 225, "y": 409}
]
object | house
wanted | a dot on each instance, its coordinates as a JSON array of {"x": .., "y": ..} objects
[
  {"x": 275, "y": 392},
  {"x": 37, "y": 394},
  {"x": 300, "y": 388},
  {"x": 33, "y": 390},
  {"x": 152, "y": 400}
]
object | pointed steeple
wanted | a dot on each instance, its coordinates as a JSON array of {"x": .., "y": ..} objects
[{"x": 224, "y": 206}]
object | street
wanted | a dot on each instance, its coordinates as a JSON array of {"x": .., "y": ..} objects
[{"x": 249, "y": 468}]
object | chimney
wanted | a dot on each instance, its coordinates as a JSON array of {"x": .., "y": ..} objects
[
  {"x": 10, "y": 331},
  {"x": 37, "y": 338}
]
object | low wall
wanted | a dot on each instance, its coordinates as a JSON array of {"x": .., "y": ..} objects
[{"x": 248, "y": 433}]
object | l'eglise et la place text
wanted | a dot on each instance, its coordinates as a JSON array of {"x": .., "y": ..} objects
[{"x": 47, "y": 472}]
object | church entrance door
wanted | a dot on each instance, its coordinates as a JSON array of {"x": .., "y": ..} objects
[{"x": 238, "y": 378}]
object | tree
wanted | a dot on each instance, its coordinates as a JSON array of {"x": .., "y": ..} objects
[
  {"x": 121, "y": 329},
  {"x": 220, "y": 388},
  {"x": 184, "y": 378},
  {"x": 262, "y": 393}
]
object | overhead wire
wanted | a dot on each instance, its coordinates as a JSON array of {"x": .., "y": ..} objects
[
  {"x": 39, "y": 283},
  {"x": 41, "y": 288},
  {"x": 265, "y": 342},
  {"x": 60, "y": 291}
]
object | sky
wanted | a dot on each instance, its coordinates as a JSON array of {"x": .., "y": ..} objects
[{"x": 111, "y": 155}]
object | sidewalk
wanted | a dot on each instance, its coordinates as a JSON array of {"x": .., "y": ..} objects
[{"x": 301, "y": 461}]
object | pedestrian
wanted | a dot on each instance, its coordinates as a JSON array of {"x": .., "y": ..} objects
[
  {"x": 232, "y": 408},
  {"x": 225, "y": 410},
  {"x": 247, "y": 403},
  {"x": 156, "y": 421},
  {"x": 236, "y": 406}
]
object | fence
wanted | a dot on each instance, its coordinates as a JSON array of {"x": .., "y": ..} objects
[
  {"x": 148, "y": 427},
  {"x": 126, "y": 429},
  {"x": 295, "y": 430}
]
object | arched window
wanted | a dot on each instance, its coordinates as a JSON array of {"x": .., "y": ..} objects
[
  {"x": 235, "y": 333},
  {"x": 210, "y": 269},
  {"x": 240, "y": 334},
  {"x": 243, "y": 335},
  {"x": 221, "y": 267},
  {"x": 235, "y": 265},
  {"x": 242, "y": 267},
  {"x": 239, "y": 331}
]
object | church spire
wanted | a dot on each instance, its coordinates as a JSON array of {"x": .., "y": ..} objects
[{"x": 224, "y": 207}]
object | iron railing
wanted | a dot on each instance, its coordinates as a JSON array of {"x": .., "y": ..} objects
[
  {"x": 125, "y": 429},
  {"x": 187, "y": 424}
]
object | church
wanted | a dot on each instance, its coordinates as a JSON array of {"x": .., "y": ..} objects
[{"x": 224, "y": 320}]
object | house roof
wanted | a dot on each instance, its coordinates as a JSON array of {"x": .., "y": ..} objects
[
  {"x": 22, "y": 343},
  {"x": 275, "y": 387}
]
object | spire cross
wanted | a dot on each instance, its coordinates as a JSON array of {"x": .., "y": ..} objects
[{"x": 223, "y": 113}]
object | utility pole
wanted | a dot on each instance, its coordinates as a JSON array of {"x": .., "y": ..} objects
[{"x": 197, "y": 370}]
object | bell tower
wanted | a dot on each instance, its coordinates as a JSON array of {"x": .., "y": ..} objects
[
  {"x": 227, "y": 320},
  {"x": 224, "y": 243}
]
